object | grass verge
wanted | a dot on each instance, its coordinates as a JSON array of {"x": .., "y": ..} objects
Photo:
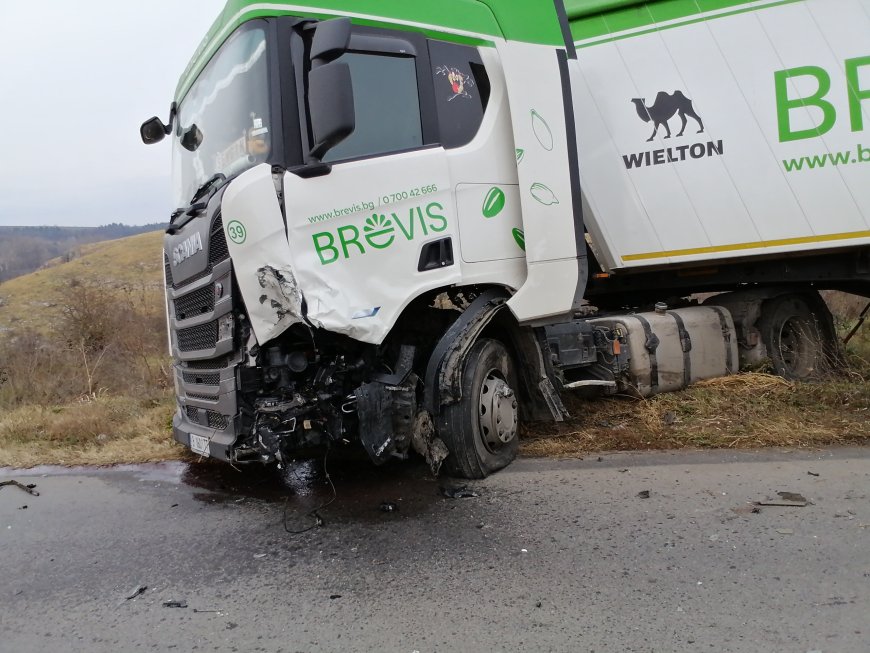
[
  {"x": 744, "y": 411},
  {"x": 99, "y": 431}
]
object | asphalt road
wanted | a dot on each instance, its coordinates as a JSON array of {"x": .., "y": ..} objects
[{"x": 551, "y": 556}]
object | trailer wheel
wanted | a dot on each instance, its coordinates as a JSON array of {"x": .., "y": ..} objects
[
  {"x": 480, "y": 430},
  {"x": 798, "y": 332}
]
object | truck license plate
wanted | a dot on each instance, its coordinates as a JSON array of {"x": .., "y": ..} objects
[{"x": 199, "y": 444}]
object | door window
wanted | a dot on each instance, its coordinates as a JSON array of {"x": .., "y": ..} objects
[{"x": 387, "y": 106}]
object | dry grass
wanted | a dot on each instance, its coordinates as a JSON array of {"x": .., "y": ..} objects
[
  {"x": 34, "y": 301},
  {"x": 99, "y": 431},
  {"x": 748, "y": 410}
]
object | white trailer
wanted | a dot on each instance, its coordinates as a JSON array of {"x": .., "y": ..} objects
[{"x": 408, "y": 226}]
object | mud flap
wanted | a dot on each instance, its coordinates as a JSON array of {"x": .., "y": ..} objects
[{"x": 374, "y": 408}]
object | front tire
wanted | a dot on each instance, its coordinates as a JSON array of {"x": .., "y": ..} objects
[{"x": 481, "y": 430}]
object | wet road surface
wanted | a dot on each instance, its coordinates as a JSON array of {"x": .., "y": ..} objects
[{"x": 551, "y": 556}]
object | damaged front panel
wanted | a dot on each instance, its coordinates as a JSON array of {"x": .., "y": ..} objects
[
  {"x": 262, "y": 259},
  {"x": 358, "y": 236}
]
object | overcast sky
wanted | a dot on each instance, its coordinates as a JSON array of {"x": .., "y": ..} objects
[{"x": 77, "y": 78}]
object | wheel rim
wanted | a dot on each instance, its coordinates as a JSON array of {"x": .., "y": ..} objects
[{"x": 497, "y": 411}]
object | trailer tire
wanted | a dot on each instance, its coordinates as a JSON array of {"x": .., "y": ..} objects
[
  {"x": 480, "y": 430},
  {"x": 797, "y": 331}
]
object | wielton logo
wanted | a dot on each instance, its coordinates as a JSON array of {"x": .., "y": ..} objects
[{"x": 665, "y": 107}]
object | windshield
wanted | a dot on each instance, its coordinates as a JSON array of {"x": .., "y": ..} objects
[{"x": 223, "y": 122}]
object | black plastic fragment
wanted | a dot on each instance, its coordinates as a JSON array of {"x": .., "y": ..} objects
[{"x": 461, "y": 492}]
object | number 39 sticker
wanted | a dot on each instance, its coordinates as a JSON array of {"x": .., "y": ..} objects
[{"x": 237, "y": 232}]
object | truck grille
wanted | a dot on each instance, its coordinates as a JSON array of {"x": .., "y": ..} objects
[
  {"x": 209, "y": 418},
  {"x": 213, "y": 378},
  {"x": 201, "y": 380},
  {"x": 209, "y": 364},
  {"x": 168, "y": 269},
  {"x": 198, "y": 338},
  {"x": 196, "y": 303}
]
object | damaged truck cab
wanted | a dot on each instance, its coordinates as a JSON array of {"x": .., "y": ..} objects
[{"x": 380, "y": 238}]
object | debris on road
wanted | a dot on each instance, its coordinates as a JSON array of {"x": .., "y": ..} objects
[
  {"x": 749, "y": 509},
  {"x": 813, "y": 473},
  {"x": 786, "y": 499},
  {"x": 461, "y": 492},
  {"x": 175, "y": 604},
  {"x": 785, "y": 531},
  {"x": 388, "y": 506},
  {"x": 643, "y": 494},
  {"x": 27, "y": 488},
  {"x": 24, "y": 507},
  {"x": 332, "y": 597},
  {"x": 136, "y": 591}
]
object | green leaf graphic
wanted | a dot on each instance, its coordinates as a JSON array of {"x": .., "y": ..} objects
[
  {"x": 520, "y": 154},
  {"x": 493, "y": 203},
  {"x": 377, "y": 222},
  {"x": 543, "y": 194},
  {"x": 542, "y": 131},
  {"x": 520, "y": 237}
]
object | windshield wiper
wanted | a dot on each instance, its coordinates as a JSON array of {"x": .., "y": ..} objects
[
  {"x": 206, "y": 185},
  {"x": 181, "y": 216}
]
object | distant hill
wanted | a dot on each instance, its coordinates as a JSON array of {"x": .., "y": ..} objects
[
  {"x": 25, "y": 249},
  {"x": 130, "y": 265}
]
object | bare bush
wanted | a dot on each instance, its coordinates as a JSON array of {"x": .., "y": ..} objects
[{"x": 107, "y": 340}]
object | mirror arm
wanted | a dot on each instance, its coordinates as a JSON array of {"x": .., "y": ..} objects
[
  {"x": 173, "y": 112},
  {"x": 313, "y": 169}
]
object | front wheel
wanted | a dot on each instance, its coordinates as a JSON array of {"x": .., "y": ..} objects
[{"x": 481, "y": 430}]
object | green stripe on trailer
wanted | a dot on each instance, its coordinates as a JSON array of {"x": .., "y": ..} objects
[
  {"x": 473, "y": 22},
  {"x": 601, "y": 21}
]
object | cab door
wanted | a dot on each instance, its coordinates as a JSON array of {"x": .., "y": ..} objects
[{"x": 380, "y": 227}]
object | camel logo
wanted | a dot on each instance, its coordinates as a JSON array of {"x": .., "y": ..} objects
[{"x": 665, "y": 107}]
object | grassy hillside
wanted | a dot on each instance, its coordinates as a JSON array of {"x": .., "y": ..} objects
[
  {"x": 25, "y": 249},
  {"x": 84, "y": 374},
  {"x": 132, "y": 265}
]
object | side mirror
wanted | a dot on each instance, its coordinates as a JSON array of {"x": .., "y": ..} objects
[
  {"x": 331, "y": 39},
  {"x": 153, "y": 130},
  {"x": 191, "y": 139},
  {"x": 330, "y": 100}
]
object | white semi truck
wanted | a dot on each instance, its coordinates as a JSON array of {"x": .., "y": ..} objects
[{"x": 408, "y": 225}]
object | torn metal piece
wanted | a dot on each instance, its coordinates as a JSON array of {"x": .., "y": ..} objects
[
  {"x": 643, "y": 494},
  {"x": 461, "y": 492},
  {"x": 426, "y": 443},
  {"x": 175, "y": 604},
  {"x": 27, "y": 488},
  {"x": 281, "y": 291},
  {"x": 749, "y": 509},
  {"x": 389, "y": 506},
  {"x": 136, "y": 591},
  {"x": 787, "y": 499}
]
